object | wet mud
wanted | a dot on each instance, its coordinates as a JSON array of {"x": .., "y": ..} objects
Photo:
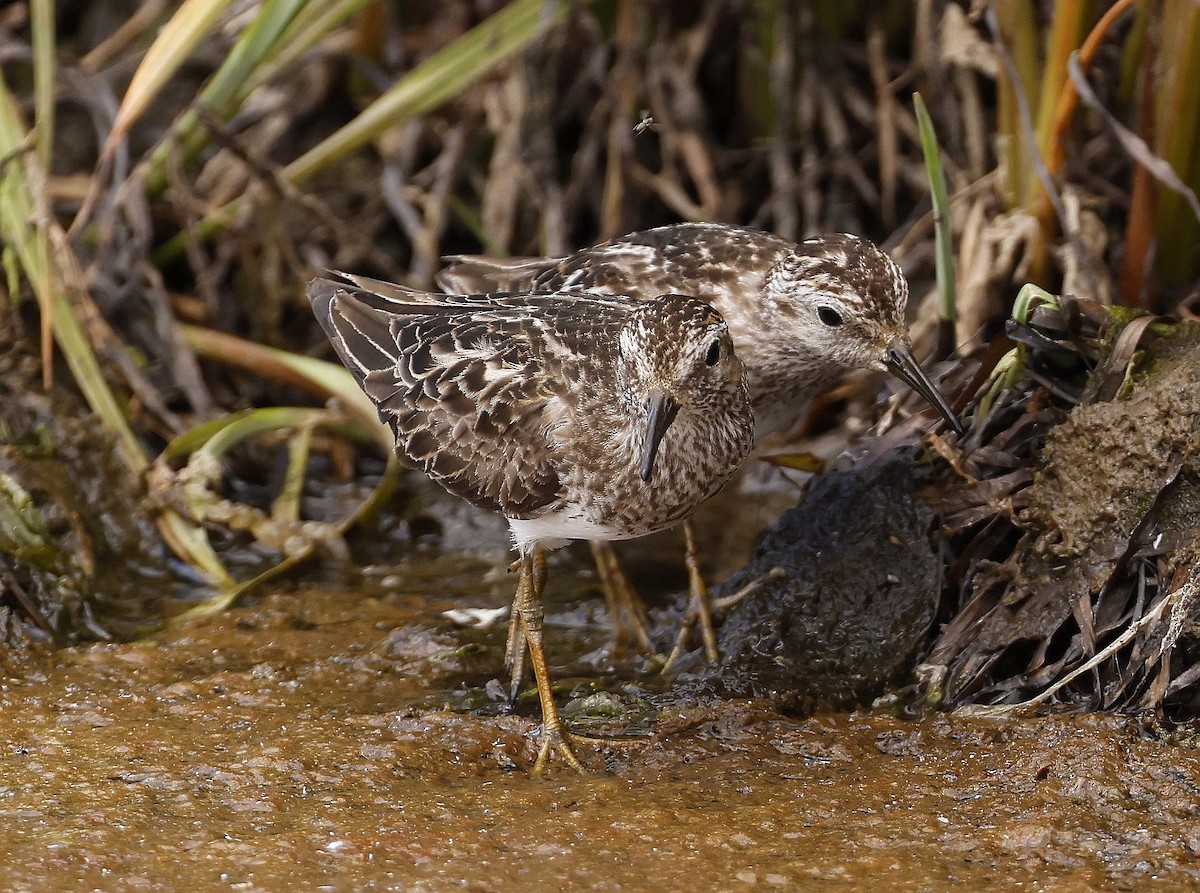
[{"x": 348, "y": 740}]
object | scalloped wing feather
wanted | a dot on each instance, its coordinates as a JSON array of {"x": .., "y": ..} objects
[{"x": 473, "y": 389}]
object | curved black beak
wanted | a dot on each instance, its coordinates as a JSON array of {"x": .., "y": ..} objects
[
  {"x": 660, "y": 412},
  {"x": 902, "y": 364}
]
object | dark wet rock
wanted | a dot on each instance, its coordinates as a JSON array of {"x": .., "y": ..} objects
[
  {"x": 451, "y": 522},
  {"x": 859, "y": 595}
]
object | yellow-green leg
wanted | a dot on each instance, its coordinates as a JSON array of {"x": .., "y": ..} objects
[
  {"x": 626, "y": 609},
  {"x": 527, "y": 611},
  {"x": 528, "y": 608},
  {"x": 699, "y": 608},
  {"x": 514, "y": 655}
]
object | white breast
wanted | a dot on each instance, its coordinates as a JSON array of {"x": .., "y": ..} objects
[{"x": 554, "y": 530}]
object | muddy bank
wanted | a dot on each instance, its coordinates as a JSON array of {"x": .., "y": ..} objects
[
  {"x": 80, "y": 557},
  {"x": 317, "y": 740},
  {"x": 1071, "y": 516}
]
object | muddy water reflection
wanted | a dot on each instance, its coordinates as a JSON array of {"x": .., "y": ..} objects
[{"x": 317, "y": 740}]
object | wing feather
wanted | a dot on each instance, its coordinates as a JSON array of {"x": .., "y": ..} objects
[
  {"x": 689, "y": 258},
  {"x": 470, "y": 388}
]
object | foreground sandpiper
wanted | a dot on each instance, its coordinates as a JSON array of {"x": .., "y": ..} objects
[
  {"x": 801, "y": 314},
  {"x": 575, "y": 416}
]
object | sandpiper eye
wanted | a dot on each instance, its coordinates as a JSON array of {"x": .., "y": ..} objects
[
  {"x": 829, "y": 316},
  {"x": 714, "y": 354}
]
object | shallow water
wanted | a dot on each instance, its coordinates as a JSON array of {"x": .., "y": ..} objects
[{"x": 321, "y": 739}]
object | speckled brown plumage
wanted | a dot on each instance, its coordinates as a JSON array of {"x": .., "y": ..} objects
[
  {"x": 535, "y": 405},
  {"x": 800, "y": 313}
]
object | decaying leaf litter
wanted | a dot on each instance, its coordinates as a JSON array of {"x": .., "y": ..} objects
[{"x": 1063, "y": 517}]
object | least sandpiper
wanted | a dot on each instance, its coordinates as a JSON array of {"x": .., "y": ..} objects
[
  {"x": 800, "y": 314},
  {"x": 575, "y": 416}
]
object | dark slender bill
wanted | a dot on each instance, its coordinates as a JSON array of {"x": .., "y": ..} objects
[
  {"x": 660, "y": 412},
  {"x": 904, "y": 366}
]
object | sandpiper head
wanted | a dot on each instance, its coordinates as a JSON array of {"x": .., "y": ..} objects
[
  {"x": 843, "y": 299},
  {"x": 677, "y": 356}
]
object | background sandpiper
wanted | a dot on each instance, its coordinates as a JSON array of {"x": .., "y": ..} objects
[{"x": 801, "y": 314}]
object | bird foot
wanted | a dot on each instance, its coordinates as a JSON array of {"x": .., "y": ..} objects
[{"x": 561, "y": 742}]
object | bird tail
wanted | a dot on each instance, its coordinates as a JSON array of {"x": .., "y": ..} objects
[{"x": 359, "y": 332}]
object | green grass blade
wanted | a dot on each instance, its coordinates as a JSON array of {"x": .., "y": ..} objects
[
  {"x": 328, "y": 379},
  {"x": 220, "y": 436},
  {"x": 1068, "y": 26},
  {"x": 439, "y": 78},
  {"x": 1017, "y": 23},
  {"x": 286, "y": 506},
  {"x": 1178, "y": 139},
  {"x": 947, "y": 287},
  {"x": 24, "y": 231},
  {"x": 313, "y": 24},
  {"x": 225, "y": 90},
  {"x": 27, "y": 252},
  {"x": 42, "y": 26},
  {"x": 190, "y": 542},
  {"x": 244, "y": 426},
  {"x": 191, "y": 23}
]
